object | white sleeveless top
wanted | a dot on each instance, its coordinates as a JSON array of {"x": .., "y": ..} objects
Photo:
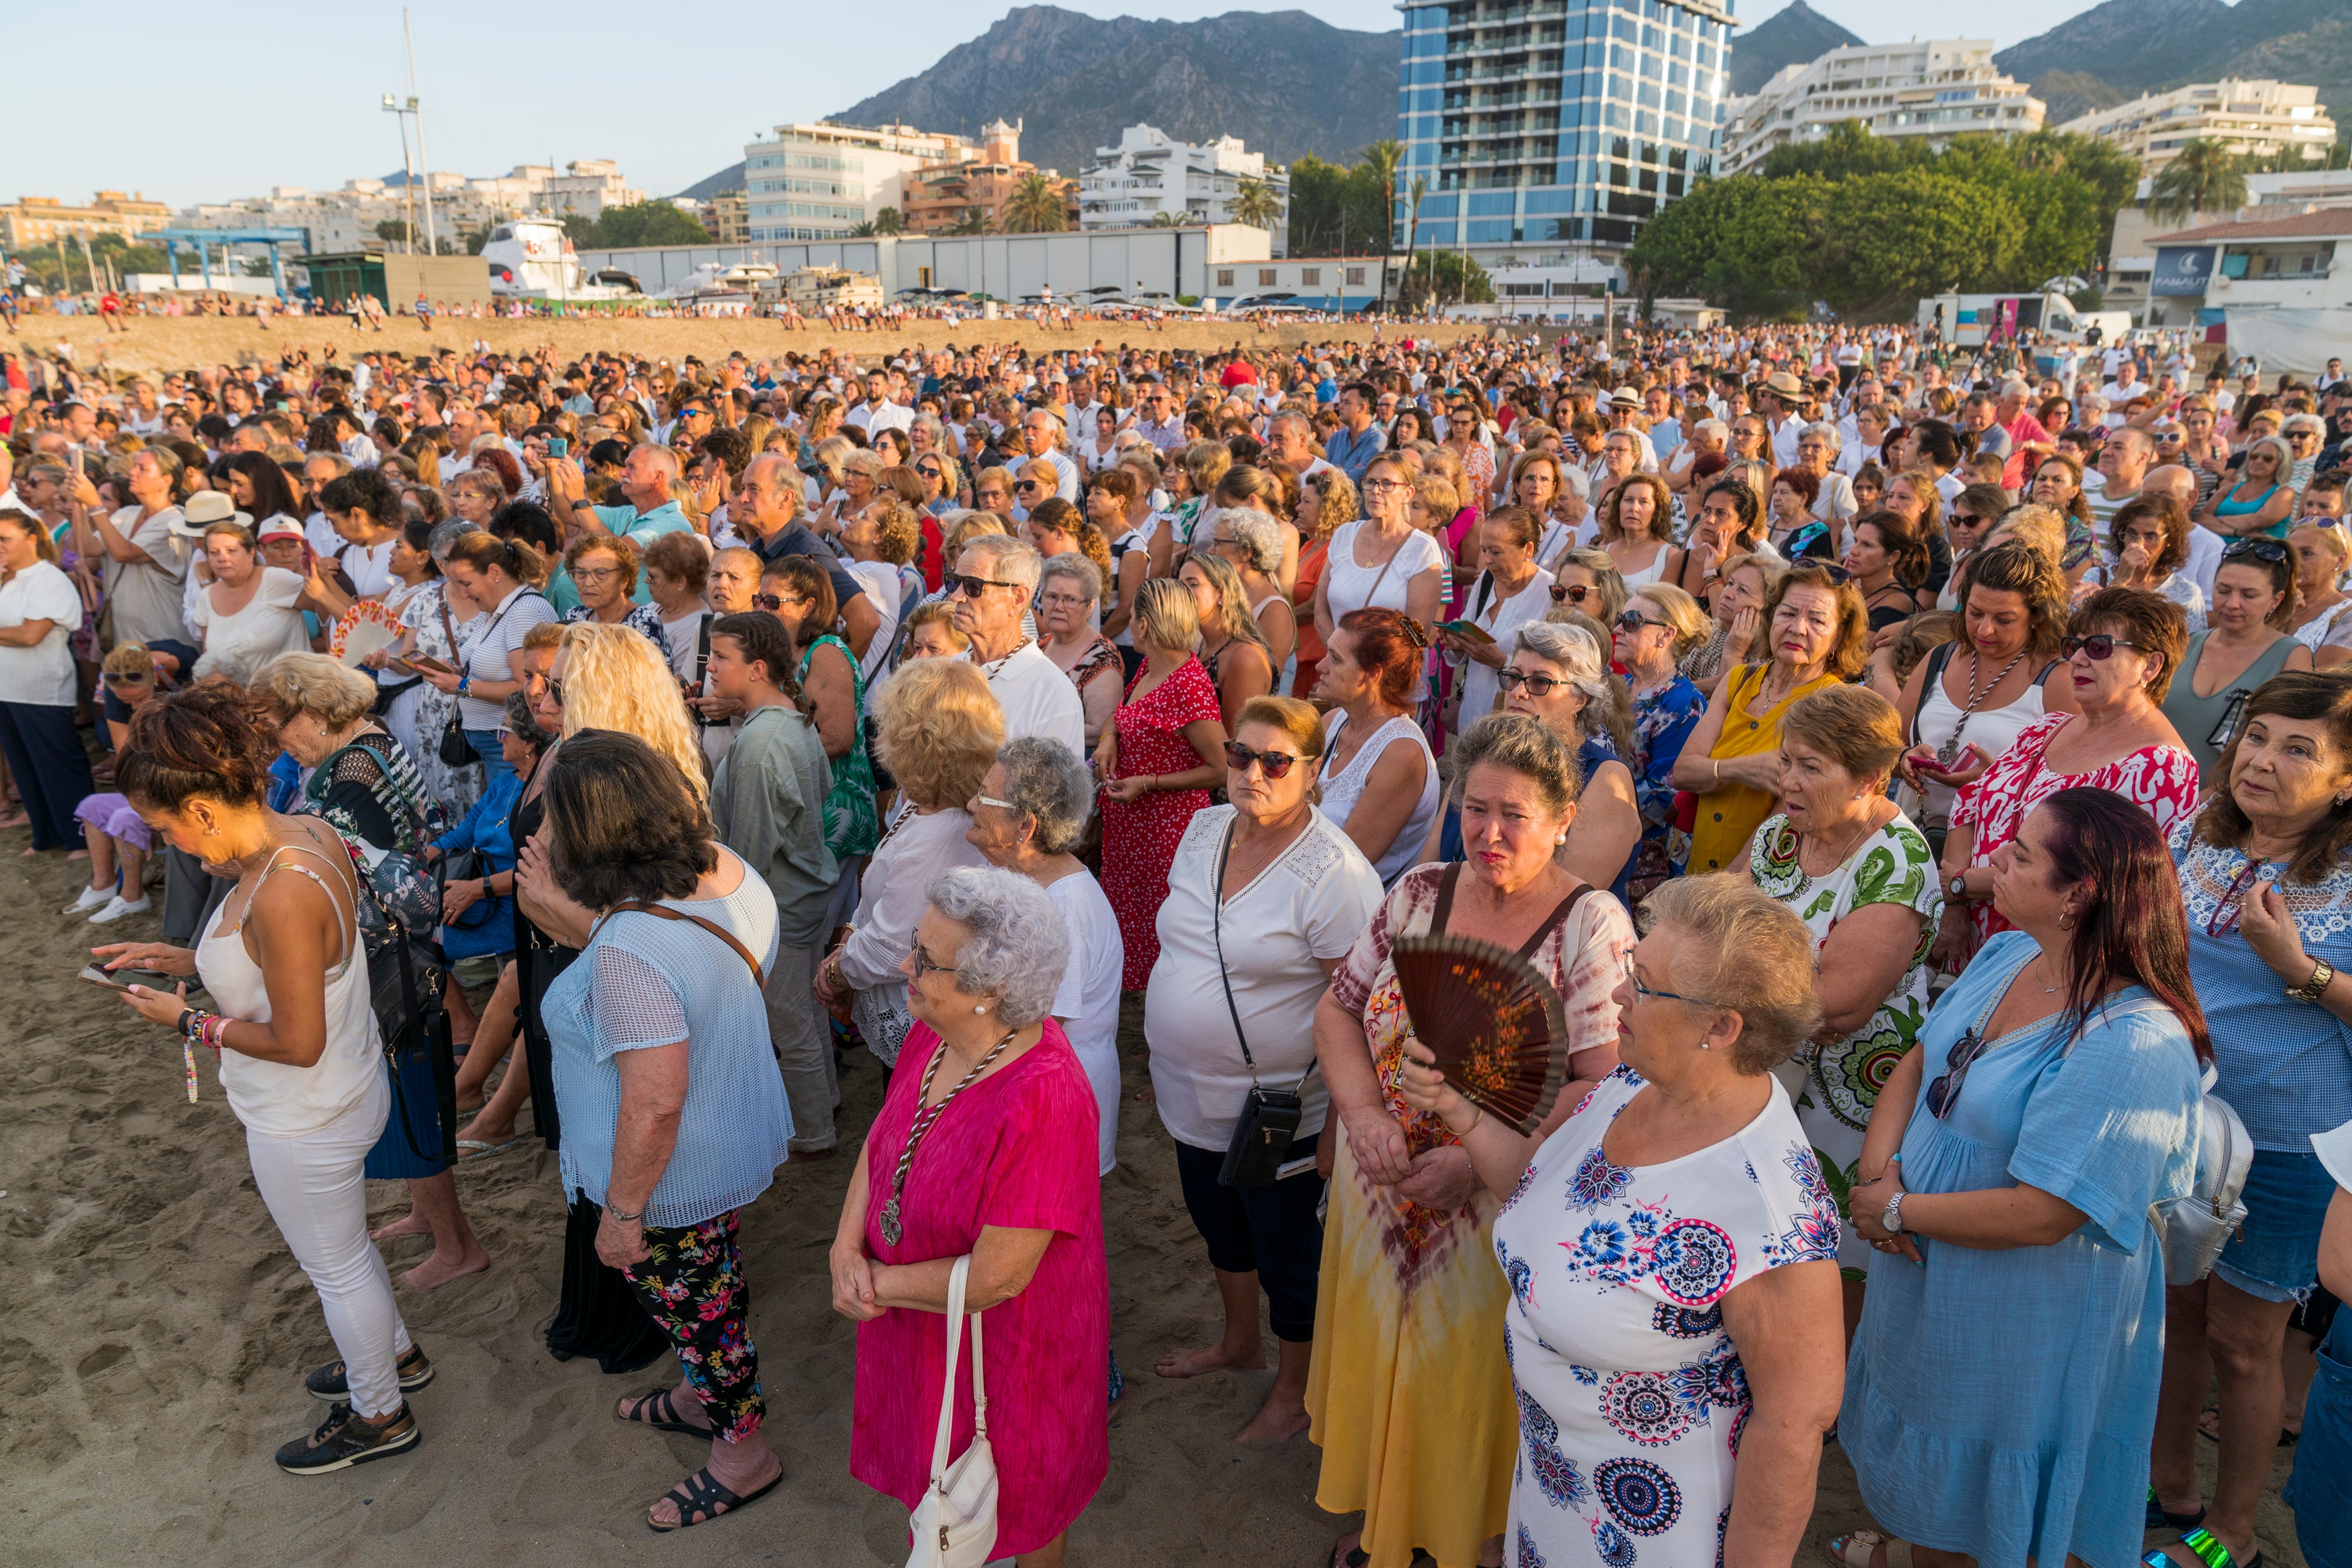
[
  {"x": 1343, "y": 789},
  {"x": 274, "y": 1098},
  {"x": 1994, "y": 728}
]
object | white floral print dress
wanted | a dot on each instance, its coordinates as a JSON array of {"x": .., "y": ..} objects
[{"x": 1631, "y": 1395}]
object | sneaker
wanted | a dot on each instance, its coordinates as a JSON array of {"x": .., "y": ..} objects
[
  {"x": 343, "y": 1440},
  {"x": 329, "y": 1382},
  {"x": 117, "y": 906},
  {"x": 91, "y": 899}
]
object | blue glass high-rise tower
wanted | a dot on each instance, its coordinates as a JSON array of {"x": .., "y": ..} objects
[{"x": 1549, "y": 129}]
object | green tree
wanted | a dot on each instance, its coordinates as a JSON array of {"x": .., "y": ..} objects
[
  {"x": 2203, "y": 177},
  {"x": 1166, "y": 220},
  {"x": 650, "y": 223},
  {"x": 890, "y": 220},
  {"x": 585, "y": 233},
  {"x": 973, "y": 221},
  {"x": 392, "y": 231},
  {"x": 1451, "y": 278},
  {"x": 1383, "y": 158},
  {"x": 1891, "y": 238},
  {"x": 1035, "y": 206},
  {"x": 1752, "y": 246},
  {"x": 1255, "y": 204},
  {"x": 863, "y": 230}
]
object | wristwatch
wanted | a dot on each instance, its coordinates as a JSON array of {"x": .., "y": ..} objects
[
  {"x": 1957, "y": 888},
  {"x": 2313, "y": 989},
  {"x": 1892, "y": 1216}
]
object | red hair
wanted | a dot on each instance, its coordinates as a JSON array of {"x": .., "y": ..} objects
[{"x": 1389, "y": 645}]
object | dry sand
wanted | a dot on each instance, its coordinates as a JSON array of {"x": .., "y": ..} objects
[
  {"x": 159, "y": 344},
  {"x": 154, "y": 1332}
]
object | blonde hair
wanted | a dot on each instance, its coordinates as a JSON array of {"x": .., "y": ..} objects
[
  {"x": 613, "y": 680},
  {"x": 1747, "y": 946},
  {"x": 315, "y": 684},
  {"x": 1682, "y": 613},
  {"x": 1165, "y": 614},
  {"x": 940, "y": 730},
  {"x": 896, "y": 531},
  {"x": 2039, "y": 527},
  {"x": 938, "y": 612}
]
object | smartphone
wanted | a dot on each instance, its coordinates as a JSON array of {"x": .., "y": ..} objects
[
  {"x": 558, "y": 447},
  {"x": 427, "y": 661},
  {"x": 97, "y": 976}
]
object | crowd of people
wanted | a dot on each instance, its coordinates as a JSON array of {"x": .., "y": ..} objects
[{"x": 1925, "y": 784}]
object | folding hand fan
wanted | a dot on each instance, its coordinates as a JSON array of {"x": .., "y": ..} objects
[{"x": 1494, "y": 1022}]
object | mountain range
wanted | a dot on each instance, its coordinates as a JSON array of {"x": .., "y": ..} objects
[
  {"x": 2125, "y": 47},
  {"x": 1790, "y": 35}
]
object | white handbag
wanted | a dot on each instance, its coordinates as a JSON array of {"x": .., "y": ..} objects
[{"x": 955, "y": 1524}]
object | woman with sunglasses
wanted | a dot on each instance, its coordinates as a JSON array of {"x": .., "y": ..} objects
[
  {"x": 1264, "y": 898},
  {"x": 1586, "y": 580},
  {"x": 2147, "y": 543},
  {"x": 1407, "y": 1361},
  {"x": 2122, "y": 648},
  {"x": 2061, "y": 1100},
  {"x": 2244, "y": 643},
  {"x": 2260, "y": 501},
  {"x": 2267, "y": 883}
]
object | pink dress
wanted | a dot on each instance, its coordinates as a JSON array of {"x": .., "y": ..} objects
[
  {"x": 1016, "y": 1150},
  {"x": 2161, "y": 780}
]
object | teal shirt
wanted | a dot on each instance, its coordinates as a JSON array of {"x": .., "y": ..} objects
[{"x": 640, "y": 529}]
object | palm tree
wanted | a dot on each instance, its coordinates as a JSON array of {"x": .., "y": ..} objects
[
  {"x": 1384, "y": 156},
  {"x": 1164, "y": 219},
  {"x": 974, "y": 221},
  {"x": 890, "y": 220},
  {"x": 2206, "y": 177},
  {"x": 867, "y": 230},
  {"x": 1035, "y": 206},
  {"x": 1255, "y": 204}
]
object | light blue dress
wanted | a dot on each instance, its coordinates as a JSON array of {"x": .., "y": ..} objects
[{"x": 2000, "y": 1402}]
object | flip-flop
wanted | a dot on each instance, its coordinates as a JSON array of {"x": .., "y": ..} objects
[
  {"x": 699, "y": 1493},
  {"x": 2206, "y": 1548},
  {"x": 664, "y": 1414},
  {"x": 474, "y": 1148}
]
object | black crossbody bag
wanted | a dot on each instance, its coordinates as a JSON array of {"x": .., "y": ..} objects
[{"x": 1269, "y": 1120}]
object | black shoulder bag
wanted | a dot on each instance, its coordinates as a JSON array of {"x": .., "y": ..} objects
[{"x": 1269, "y": 1120}]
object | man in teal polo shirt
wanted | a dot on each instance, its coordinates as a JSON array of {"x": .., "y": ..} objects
[{"x": 647, "y": 479}]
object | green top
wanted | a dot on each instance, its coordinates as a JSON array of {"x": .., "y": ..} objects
[
  {"x": 851, "y": 824},
  {"x": 2206, "y": 723},
  {"x": 766, "y": 804}
]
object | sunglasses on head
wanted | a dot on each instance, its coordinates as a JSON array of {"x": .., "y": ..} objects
[
  {"x": 2098, "y": 645},
  {"x": 2266, "y": 550},
  {"x": 1239, "y": 757}
]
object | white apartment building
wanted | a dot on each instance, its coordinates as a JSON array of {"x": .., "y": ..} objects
[
  {"x": 820, "y": 181},
  {"x": 2259, "y": 117},
  {"x": 585, "y": 188},
  {"x": 1937, "y": 88},
  {"x": 346, "y": 219},
  {"x": 1151, "y": 176}
]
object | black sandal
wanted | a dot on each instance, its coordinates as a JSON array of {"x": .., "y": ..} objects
[
  {"x": 702, "y": 1494},
  {"x": 664, "y": 1417}
]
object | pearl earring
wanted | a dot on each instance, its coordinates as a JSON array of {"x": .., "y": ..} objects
[{"x": 980, "y": 1009}]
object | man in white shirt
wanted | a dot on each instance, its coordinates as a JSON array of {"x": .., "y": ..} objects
[
  {"x": 878, "y": 412},
  {"x": 1777, "y": 401},
  {"x": 2125, "y": 386},
  {"x": 993, "y": 581},
  {"x": 1291, "y": 441},
  {"x": 1041, "y": 438}
]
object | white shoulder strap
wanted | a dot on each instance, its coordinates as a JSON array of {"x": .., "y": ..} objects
[{"x": 948, "y": 1389}]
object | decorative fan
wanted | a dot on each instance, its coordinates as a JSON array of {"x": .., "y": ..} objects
[{"x": 1494, "y": 1022}]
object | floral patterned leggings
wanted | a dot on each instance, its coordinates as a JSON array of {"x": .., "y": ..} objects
[{"x": 692, "y": 1284}]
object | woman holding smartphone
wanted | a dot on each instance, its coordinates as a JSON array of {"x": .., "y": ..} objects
[{"x": 300, "y": 1058}]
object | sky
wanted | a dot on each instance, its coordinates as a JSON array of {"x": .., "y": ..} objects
[{"x": 276, "y": 93}]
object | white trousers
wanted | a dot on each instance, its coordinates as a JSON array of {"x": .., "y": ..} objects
[{"x": 316, "y": 1193}]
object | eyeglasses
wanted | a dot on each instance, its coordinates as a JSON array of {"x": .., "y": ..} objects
[
  {"x": 970, "y": 587},
  {"x": 2266, "y": 550},
  {"x": 1633, "y": 978},
  {"x": 991, "y": 800},
  {"x": 599, "y": 574},
  {"x": 1238, "y": 757},
  {"x": 771, "y": 603},
  {"x": 923, "y": 965},
  {"x": 1371, "y": 485},
  {"x": 555, "y": 691},
  {"x": 2098, "y": 645},
  {"x": 1062, "y": 601},
  {"x": 1945, "y": 1092},
  {"x": 1537, "y": 685},
  {"x": 1633, "y": 621},
  {"x": 1562, "y": 592}
]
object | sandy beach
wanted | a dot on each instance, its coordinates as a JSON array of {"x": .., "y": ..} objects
[{"x": 154, "y": 1332}]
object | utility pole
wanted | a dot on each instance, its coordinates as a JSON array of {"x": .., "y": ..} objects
[
  {"x": 408, "y": 169},
  {"x": 432, "y": 245}
]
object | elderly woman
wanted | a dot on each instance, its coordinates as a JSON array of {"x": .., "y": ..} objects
[
  {"x": 477, "y": 911},
  {"x": 1586, "y": 580},
  {"x": 1162, "y": 753},
  {"x": 675, "y": 934},
  {"x": 1028, "y": 817},
  {"x": 2260, "y": 501},
  {"x": 1557, "y": 675},
  {"x": 2121, "y": 650},
  {"x": 987, "y": 1152},
  {"x": 1251, "y": 543},
  {"x": 1816, "y": 635},
  {"x": 1377, "y": 776},
  {"x": 1406, "y": 1358},
  {"x": 252, "y": 612},
  {"x": 40, "y": 609},
  {"x": 1297, "y": 893},
  {"x": 2267, "y": 882},
  {"x": 604, "y": 568},
  {"x": 2022, "y": 1178},
  {"x": 1669, "y": 1238},
  {"x": 365, "y": 787},
  {"x": 1659, "y": 627},
  {"x": 2244, "y": 643},
  {"x": 941, "y": 731},
  {"x": 1511, "y": 591},
  {"x": 1069, "y": 586},
  {"x": 1842, "y": 858}
]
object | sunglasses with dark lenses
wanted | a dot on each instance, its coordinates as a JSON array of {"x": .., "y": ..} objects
[
  {"x": 1945, "y": 1092},
  {"x": 1238, "y": 757},
  {"x": 2098, "y": 645},
  {"x": 2232, "y": 906},
  {"x": 768, "y": 602},
  {"x": 2270, "y": 551},
  {"x": 1562, "y": 592},
  {"x": 555, "y": 691},
  {"x": 1537, "y": 685},
  {"x": 970, "y": 587},
  {"x": 1633, "y": 621}
]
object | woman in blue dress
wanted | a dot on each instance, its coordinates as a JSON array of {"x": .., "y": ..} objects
[{"x": 2001, "y": 1390}]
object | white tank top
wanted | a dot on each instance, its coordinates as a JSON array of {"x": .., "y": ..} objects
[
  {"x": 1994, "y": 728},
  {"x": 1343, "y": 789},
  {"x": 274, "y": 1098}
]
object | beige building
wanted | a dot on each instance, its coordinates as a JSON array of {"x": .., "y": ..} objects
[
  {"x": 727, "y": 217},
  {"x": 585, "y": 188},
  {"x": 1938, "y": 88},
  {"x": 2262, "y": 118},
  {"x": 813, "y": 290},
  {"x": 44, "y": 220},
  {"x": 819, "y": 181}
]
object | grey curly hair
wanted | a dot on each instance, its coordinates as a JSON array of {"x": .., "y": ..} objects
[
  {"x": 1019, "y": 945},
  {"x": 1045, "y": 779},
  {"x": 1254, "y": 531}
]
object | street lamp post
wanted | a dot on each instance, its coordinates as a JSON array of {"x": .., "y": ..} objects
[{"x": 407, "y": 166}]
